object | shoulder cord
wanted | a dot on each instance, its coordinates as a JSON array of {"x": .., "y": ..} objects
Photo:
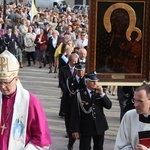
[
  {"x": 67, "y": 83},
  {"x": 81, "y": 105}
]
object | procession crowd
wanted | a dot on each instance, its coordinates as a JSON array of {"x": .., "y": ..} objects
[
  {"x": 41, "y": 37},
  {"x": 59, "y": 37}
]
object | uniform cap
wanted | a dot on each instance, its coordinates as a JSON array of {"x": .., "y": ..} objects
[
  {"x": 91, "y": 76},
  {"x": 80, "y": 66}
]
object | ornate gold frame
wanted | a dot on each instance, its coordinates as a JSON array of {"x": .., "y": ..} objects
[{"x": 95, "y": 7}]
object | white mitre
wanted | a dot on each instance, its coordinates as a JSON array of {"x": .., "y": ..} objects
[{"x": 9, "y": 65}]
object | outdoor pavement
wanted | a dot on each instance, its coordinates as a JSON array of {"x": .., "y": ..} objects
[{"x": 45, "y": 86}]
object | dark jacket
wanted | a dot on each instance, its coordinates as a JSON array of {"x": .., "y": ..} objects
[
  {"x": 43, "y": 39},
  {"x": 10, "y": 42},
  {"x": 64, "y": 73},
  {"x": 61, "y": 61},
  {"x": 68, "y": 97},
  {"x": 72, "y": 87},
  {"x": 50, "y": 48},
  {"x": 95, "y": 122}
]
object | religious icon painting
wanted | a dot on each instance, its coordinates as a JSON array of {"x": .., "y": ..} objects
[
  {"x": 119, "y": 36},
  {"x": 18, "y": 128}
]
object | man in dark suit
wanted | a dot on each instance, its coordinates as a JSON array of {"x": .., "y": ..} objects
[
  {"x": 74, "y": 83},
  {"x": 125, "y": 96},
  {"x": 11, "y": 41},
  {"x": 67, "y": 71},
  {"x": 64, "y": 73},
  {"x": 88, "y": 117}
]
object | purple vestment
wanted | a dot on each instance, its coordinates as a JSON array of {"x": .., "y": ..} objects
[{"x": 37, "y": 132}]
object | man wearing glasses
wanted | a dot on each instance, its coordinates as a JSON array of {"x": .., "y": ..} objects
[
  {"x": 88, "y": 121},
  {"x": 81, "y": 42},
  {"x": 134, "y": 131},
  {"x": 23, "y": 123}
]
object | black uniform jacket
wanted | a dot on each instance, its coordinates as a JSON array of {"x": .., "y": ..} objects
[
  {"x": 64, "y": 73},
  {"x": 73, "y": 85},
  {"x": 93, "y": 123},
  {"x": 68, "y": 95}
]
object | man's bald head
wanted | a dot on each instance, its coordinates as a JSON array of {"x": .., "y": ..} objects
[{"x": 82, "y": 53}]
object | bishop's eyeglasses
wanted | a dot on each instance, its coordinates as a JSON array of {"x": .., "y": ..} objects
[{"x": 7, "y": 83}]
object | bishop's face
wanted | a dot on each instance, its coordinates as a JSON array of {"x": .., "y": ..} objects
[
  {"x": 8, "y": 86},
  {"x": 141, "y": 102}
]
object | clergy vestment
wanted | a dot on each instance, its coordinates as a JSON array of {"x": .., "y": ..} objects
[
  {"x": 37, "y": 134},
  {"x": 131, "y": 124}
]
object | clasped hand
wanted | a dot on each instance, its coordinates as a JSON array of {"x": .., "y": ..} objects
[
  {"x": 140, "y": 147},
  {"x": 75, "y": 135}
]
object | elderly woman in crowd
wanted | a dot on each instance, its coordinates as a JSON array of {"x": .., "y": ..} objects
[
  {"x": 23, "y": 28},
  {"x": 53, "y": 43},
  {"x": 30, "y": 45},
  {"x": 41, "y": 44}
]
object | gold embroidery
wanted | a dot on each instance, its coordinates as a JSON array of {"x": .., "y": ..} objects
[
  {"x": 3, "y": 63},
  {"x": 85, "y": 103}
]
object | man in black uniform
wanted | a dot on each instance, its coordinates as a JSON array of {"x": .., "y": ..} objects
[
  {"x": 64, "y": 73},
  {"x": 74, "y": 83},
  {"x": 88, "y": 117}
]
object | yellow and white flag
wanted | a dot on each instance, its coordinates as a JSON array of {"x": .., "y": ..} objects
[{"x": 33, "y": 11}]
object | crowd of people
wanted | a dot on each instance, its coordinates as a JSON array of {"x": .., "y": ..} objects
[
  {"x": 23, "y": 123},
  {"x": 41, "y": 37},
  {"x": 59, "y": 37}
]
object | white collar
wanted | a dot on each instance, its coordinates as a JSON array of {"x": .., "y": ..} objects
[
  {"x": 89, "y": 91},
  {"x": 146, "y": 115},
  {"x": 82, "y": 60}
]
